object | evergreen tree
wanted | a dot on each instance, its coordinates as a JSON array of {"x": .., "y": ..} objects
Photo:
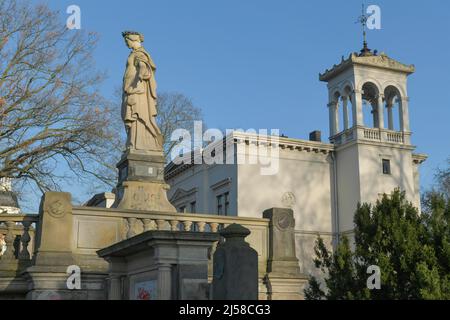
[{"x": 412, "y": 251}]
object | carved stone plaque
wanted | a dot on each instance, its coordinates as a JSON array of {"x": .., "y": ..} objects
[{"x": 288, "y": 199}]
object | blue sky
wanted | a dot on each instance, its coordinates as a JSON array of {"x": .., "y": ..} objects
[{"x": 255, "y": 63}]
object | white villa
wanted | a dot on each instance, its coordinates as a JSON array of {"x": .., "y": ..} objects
[{"x": 321, "y": 182}]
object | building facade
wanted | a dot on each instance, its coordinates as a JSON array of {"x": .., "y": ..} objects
[{"x": 369, "y": 153}]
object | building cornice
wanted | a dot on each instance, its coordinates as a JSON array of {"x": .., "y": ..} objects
[
  {"x": 381, "y": 61},
  {"x": 221, "y": 184},
  {"x": 237, "y": 137},
  {"x": 419, "y": 158}
]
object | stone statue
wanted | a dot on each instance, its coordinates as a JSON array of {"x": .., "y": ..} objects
[
  {"x": 139, "y": 108},
  {"x": 141, "y": 184}
]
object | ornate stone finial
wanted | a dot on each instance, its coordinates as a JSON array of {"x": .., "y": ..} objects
[{"x": 235, "y": 232}]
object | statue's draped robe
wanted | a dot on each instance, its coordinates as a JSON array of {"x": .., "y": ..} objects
[{"x": 139, "y": 102}]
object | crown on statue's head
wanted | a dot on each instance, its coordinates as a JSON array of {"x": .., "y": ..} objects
[{"x": 133, "y": 35}]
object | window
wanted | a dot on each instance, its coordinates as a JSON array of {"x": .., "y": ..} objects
[
  {"x": 386, "y": 166},
  {"x": 219, "y": 204},
  {"x": 193, "y": 207},
  {"x": 227, "y": 203},
  {"x": 223, "y": 203},
  {"x": 182, "y": 209}
]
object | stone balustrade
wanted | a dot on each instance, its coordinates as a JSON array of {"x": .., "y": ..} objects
[
  {"x": 96, "y": 228},
  {"x": 17, "y": 232},
  {"x": 137, "y": 222},
  {"x": 371, "y": 134},
  {"x": 179, "y": 222},
  {"x": 72, "y": 235}
]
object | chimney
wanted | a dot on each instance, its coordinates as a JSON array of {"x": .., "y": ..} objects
[{"x": 315, "y": 136}]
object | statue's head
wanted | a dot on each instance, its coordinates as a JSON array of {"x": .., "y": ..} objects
[{"x": 133, "y": 39}]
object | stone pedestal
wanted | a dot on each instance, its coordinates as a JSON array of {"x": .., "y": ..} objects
[
  {"x": 160, "y": 265},
  {"x": 54, "y": 245},
  {"x": 54, "y": 253},
  {"x": 235, "y": 266},
  {"x": 283, "y": 278},
  {"x": 47, "y": 277},
  {"x": 141, "y": 182}
]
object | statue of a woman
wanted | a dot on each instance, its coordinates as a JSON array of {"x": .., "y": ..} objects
[{"x": 139, "y": 97}]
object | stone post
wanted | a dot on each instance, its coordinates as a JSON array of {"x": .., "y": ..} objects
[
  {"x": 235, "y": 266},
  {"x": 282, "y": 258},
  {"x": 283, "y": 279},
  {"x": 47, "y": 278},
  {"x": 54, "y": 243}
]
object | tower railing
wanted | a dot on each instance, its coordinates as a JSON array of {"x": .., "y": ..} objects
[{"x": 371, "y": 134}]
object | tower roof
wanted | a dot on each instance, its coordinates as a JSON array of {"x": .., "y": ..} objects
[{"x": 381, "y": 61}]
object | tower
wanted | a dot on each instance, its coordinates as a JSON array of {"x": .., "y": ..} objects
[{"x": 369, "y": 125}]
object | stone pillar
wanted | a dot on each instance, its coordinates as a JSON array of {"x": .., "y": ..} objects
[
  {"x": 115, "y": 287},
  {"x": 404, "y": 114},
  {"x": 235, "y": 266},
  {"x": 375, "y": 115},
  {"x": 283, "y": 279},
  {"x": 282, "y": 258},
  {"x": 390, "y": 115},
  {"x": 357, "y": 108},
  {"x": 334, "y": 125},
  {"x": 345, "y": 111},
  {"x": 47, "y": 278},
  {"x": 380, "y": 110},
  {"x": 164, "y": 281}
]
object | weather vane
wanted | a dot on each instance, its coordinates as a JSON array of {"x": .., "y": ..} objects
[{"x": 362, "y": 19}]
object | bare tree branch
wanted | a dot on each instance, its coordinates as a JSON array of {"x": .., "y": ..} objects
[{"x": 52, "y": 115}]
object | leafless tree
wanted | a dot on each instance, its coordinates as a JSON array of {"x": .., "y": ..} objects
[
  {"x": 176, "y": 111},
  {"x": 54, "y": 123}
]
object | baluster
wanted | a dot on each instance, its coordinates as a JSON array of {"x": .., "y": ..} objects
[
  {"x": 131, "y": 227},
  {"x": 25, "y": 240},
  {"x": 174, "y": 225},
  {"x": 201, "y": 226},
  {"x": 160, "y": 224},
  {"x": 214, "y": 226},
  {"x": 149, "y": 224},
  {"x": 9, "y": 240},
  {"x": 187, "y": 225}
]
